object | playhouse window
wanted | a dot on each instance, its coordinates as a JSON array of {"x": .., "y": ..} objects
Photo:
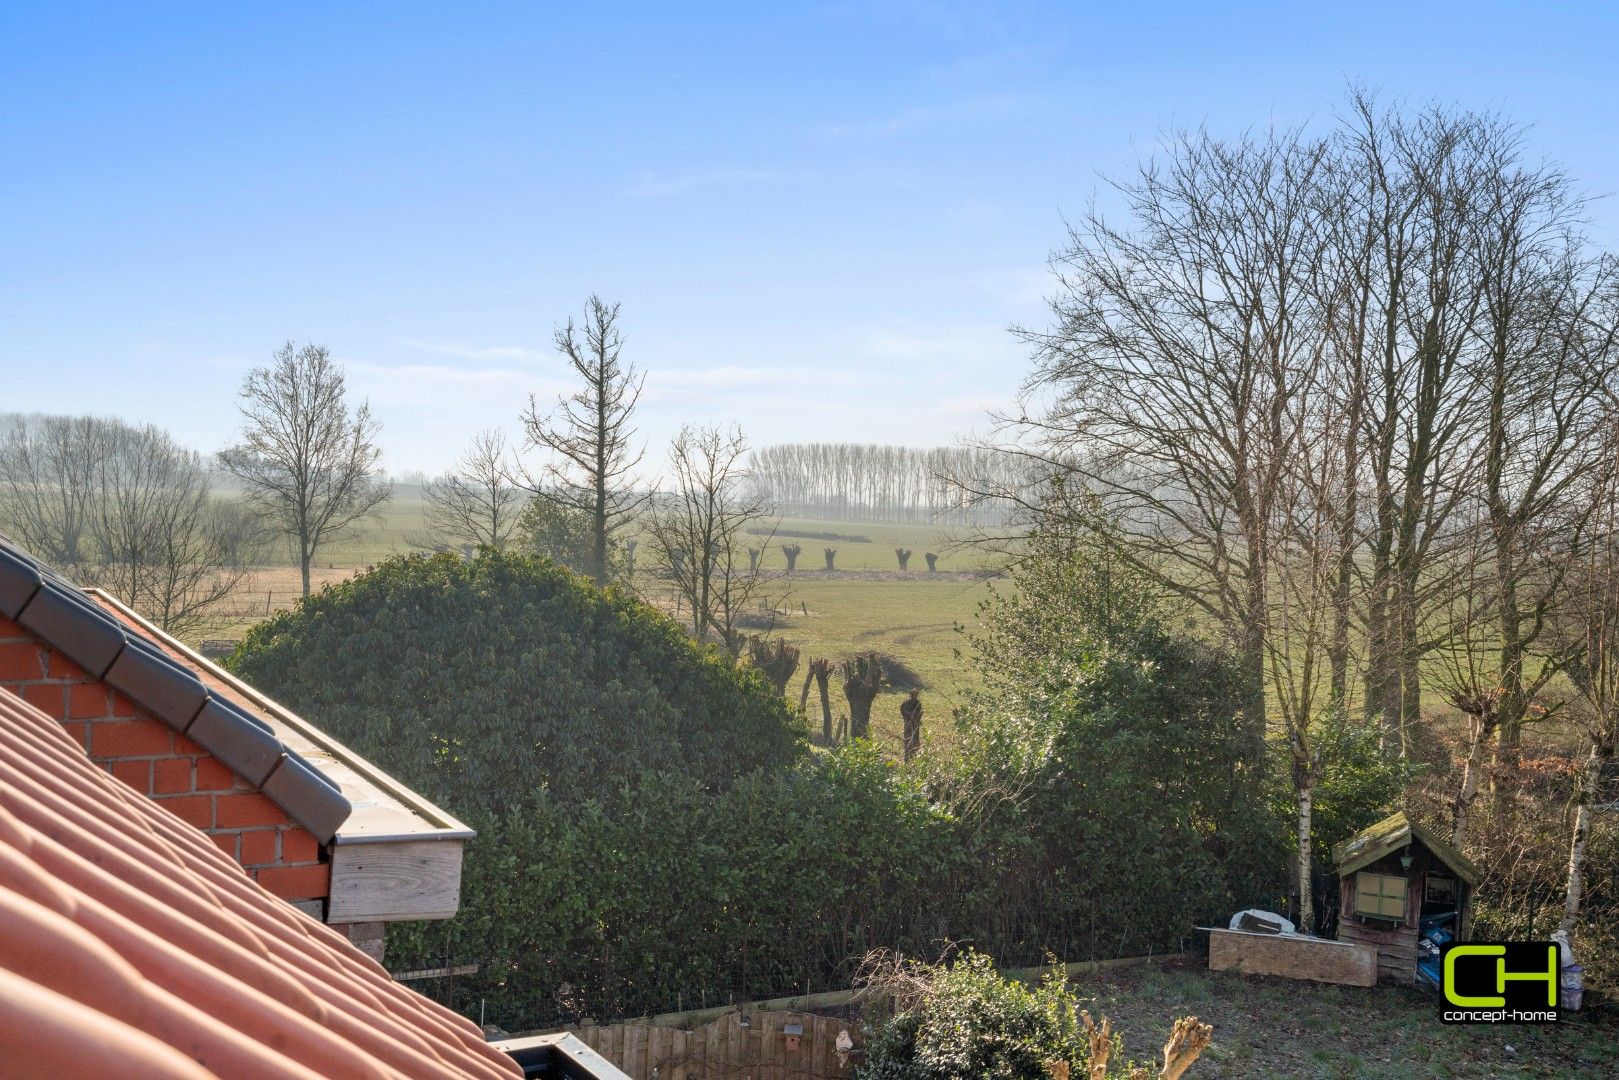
[
  {"x": 1439, "y": 890},
  {"x": 1380, "y": 895}
]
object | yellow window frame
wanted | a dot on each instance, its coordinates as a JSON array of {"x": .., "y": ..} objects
[{"x": 1382, "y": 896}]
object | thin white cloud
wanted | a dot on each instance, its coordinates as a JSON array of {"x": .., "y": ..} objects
[
  {"x": 1021, "y": 289},
  {"x": 976, "y": 407},
  {"x": 438, "y": 374},
  {"x": 472, "y": 352},
  {"x": 973, "y": 345},
  {"x": 733, "y": 377}
]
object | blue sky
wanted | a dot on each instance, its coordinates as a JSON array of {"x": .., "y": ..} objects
[{"x": 820, "y": 219}]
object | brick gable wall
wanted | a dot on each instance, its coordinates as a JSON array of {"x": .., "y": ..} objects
[{"x": 169, "y": 768}]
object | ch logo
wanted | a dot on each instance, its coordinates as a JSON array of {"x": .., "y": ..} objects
[{"x": 1505, "y": 975}]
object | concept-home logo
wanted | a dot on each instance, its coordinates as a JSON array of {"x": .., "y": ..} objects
[{"x": 1501, "y": 982}]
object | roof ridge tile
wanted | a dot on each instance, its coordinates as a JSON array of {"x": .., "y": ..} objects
[{"x": 54, "y": 610}]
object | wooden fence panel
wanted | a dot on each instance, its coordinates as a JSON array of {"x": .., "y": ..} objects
[{"x": 725, "y": 1050}]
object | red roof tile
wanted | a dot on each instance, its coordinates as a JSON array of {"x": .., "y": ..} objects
[{"x": 130, "y": 945}]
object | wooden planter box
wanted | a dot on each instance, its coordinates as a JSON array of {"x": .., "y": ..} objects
[{"x": 1293, "y": 957}]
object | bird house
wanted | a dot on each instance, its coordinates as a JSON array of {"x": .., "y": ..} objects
[{"x": 792, "y": 1036}]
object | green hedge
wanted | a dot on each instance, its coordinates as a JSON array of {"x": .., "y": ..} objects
[
  {"x": 654, "y": 832},
  {"x": 492, "y": 678}
]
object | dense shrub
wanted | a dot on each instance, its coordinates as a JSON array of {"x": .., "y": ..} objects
[
  {"x": 675, "y": 895},
  {"x": 1131, "y": 807},
  {"x": 966, "y": 1022},
  {"x": 482, "y": 680}
]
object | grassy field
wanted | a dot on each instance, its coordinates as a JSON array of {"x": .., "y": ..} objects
[
  {"x": 1268, "y": 1027},
  {"x": 867, "y": 604}
]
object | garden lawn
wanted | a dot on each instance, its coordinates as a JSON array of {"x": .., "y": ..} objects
[{"x": 1271, "y": 1027}]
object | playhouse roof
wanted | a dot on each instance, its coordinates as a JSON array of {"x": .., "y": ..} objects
[{"x": 1390, "y": 835}]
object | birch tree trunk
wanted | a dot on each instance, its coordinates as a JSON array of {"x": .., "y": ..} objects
[
  {"x": 1306, "y": 805},
  {"x": 1582, "y": 834}
]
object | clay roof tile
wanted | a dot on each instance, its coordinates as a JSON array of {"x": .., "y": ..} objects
[{"x": 131, "y": 946}]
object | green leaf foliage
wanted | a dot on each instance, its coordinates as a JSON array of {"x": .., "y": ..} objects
[
  {"x": 1132, "y": 809},
  {"x": 501, "y": 676},
  {"x": 654, "y": 833},
  {"x": 972, "y": 1024}
]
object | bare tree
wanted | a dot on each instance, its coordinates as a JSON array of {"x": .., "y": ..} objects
[
  {"x": 309, "y": 461},
  {"x": 1173, "y": 372},
  {"x": 1547, "y": 369},
  {"x": 477, "y": 503},
  {"x": 792, "y": 552},
  {"x": 831, "y": 555},
  {"x": 1586, "y": 628},
  {"x": 588, "y": 437},
  {"x": 48, "y": 466},
  {"x": 126, "y": 509},
  {"x": 164, "y": 544},
  {"x": 700, "y": 529},
  {"x": 1307, "y": 375},
  {"x": 821, "y": 672},
  {"x": 862, "y": 679},
  {"x": 776, "y": 660}
]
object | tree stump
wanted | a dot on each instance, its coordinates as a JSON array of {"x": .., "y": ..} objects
[
  {"x": 933, "y": 562},
  {"x": 862, "y": 679},
  {"x": 831, "y": 553},
  {"x": 910, "y": 711},
  {"x": 777, "y": 660},
  {"x": 821, "y": 671},
  {"x": 791, "y": 551},
  {"x": 753, "y": 559},
  {"x": 904, "y": 557}
]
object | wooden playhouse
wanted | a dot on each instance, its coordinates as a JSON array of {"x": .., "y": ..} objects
[{"x": 1404, "y": 891}]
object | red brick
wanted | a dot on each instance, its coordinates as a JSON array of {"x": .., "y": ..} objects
[
  {"x": 296, "y": 882},
  {"x": 137, "y": 774},
  {"x": 79, "y": 733},
  {"x": 183, "y": 745},
  {"x": 171, "y": 776},
  {"x": 122, "y": 706},
  {"x": 130, "y": 738},
  {"x": 196, "y": 809},
  {"x": 258, "y": 847},
  {"x": 246, "y": 811},
  {"x": 214, "y": 775},
  {"x": 298, "y": 846},
  {"x": 21, "y": 661},
  {"x": 60, "y": 667},
  {"x": 49, "y": 698},
  {"x": 10, "y": 630},
  {"x": 86, "y": 701},
  {"x": 226, "y": 842}
]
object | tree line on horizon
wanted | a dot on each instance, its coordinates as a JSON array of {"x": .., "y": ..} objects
[{"x": 883, "y": 483}]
